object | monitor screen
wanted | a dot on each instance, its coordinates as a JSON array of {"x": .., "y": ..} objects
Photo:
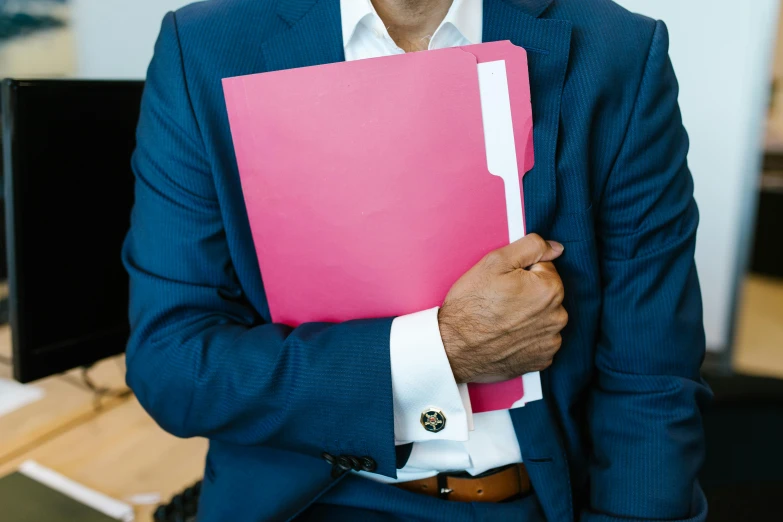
[{"x": 67, "y": 147}]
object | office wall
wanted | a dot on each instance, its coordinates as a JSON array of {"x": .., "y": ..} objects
[
  {"x": 115, "y": 38},
  {"x": 775, "y": 123},
  {"x": 722, "y": 53}
]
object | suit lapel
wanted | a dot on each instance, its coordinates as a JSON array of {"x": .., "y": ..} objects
[
  {"x": 314, "y": 37},
  {"x": 548, "y": 44}
]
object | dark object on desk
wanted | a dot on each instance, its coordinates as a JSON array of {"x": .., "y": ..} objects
[
  {"x": 768, "y": 243},
  {"x": 3, "y": 255},
  {"x": 182, "y": 507},
  {"x": 743, "y": 473},
  {"x": 69, "y": 190},
  {"x": 4, "y": 310},
  {"x": 24, "y": 499}
]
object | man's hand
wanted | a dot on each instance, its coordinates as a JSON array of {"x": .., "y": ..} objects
[{"x": 504, "y": 316}]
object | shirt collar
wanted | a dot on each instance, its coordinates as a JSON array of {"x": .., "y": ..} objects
[{"x": 464, "y": 15}]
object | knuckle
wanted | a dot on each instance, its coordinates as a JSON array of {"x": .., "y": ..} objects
[
  {"x": 553, "y": 345},
  {"x": 539, "y": 241},
  {"x": 561, "y": 318},
  {"x": 543, "y": 365},
  {"x": 555, "y": 291},
  {"x": 559, "y": 290}
]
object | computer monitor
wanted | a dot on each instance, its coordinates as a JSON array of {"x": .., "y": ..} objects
[{"x": 67, "y": 148}]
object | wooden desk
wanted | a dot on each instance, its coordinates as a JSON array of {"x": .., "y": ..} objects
[
  {"x": 759, "y": 341},
  {"x": 117, "y": 449},
  {"x": 121, "y": 453},
  {"x": 66, "y": 404}
]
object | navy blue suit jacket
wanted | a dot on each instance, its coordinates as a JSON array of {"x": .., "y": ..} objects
[{"x": 619, "y": 434}]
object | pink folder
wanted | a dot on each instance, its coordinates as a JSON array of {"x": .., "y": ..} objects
[{"x": 367, "y": 184}]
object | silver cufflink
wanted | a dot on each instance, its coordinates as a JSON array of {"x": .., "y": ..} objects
[{"x": 433, "y": 420}]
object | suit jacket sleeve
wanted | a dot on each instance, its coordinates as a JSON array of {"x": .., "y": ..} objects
[
  {"x": 200, "y": 358},
  {"x": 644, "y": 409}
]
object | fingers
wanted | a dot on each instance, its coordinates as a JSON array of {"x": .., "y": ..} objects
[
  {"x": 556, "y": 250},
  {"x": 551, "y": 288},
  {"x": 545, "y": 267},
  {"x": 528, "y": 251}
]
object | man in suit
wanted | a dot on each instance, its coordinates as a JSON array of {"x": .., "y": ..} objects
[{"x": 363, "y": 420}]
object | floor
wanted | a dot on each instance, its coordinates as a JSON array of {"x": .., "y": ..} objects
[{"x": 111, "y": 445}]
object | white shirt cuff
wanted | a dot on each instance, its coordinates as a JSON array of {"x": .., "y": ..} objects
[{"x": 422, "y": 380}]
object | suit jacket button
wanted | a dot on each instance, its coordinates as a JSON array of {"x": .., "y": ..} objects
[
  {"x": 343, "y": 463},
  {"x": 368, "y": 464},
  {"x": 328, "y": 457},
  {"x": 356, "y": 464}
]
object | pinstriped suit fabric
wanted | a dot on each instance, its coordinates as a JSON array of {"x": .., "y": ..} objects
[{"x": 619, "y": 434}]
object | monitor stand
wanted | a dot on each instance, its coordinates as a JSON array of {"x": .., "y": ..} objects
[{"x": 4, "y": 311}]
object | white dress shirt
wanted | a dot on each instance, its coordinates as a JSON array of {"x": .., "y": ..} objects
[{"x": 421, "y": 374}]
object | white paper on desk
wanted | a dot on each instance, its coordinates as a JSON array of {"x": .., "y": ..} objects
[
  {"x": 89, "y": 497},
  {"x": 14, "y": 395}
]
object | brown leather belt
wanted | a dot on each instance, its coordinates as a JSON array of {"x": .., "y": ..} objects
[{"x": 494, "y": 486}]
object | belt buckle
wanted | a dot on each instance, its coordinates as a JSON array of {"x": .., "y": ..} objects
[{"x": 443, "y": 486}]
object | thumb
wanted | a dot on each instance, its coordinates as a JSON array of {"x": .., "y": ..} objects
[
  {"x": 530, "y": 250},
  {"x": 555, "y": 250}
]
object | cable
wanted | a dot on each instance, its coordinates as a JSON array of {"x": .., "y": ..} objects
[
  {"x": 86, "y": 383},
  {"x": 74, "y": 381},
  {"x": 100, "y": 392}
]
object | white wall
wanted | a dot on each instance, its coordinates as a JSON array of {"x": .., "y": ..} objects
[
  {"x": 115, "y": 38},
  {"x": 722, "y": 53},
  {"x": 775, "y": 122}
]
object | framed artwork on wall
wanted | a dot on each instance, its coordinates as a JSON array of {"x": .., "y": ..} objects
[{"x": 36, "y": 40}]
